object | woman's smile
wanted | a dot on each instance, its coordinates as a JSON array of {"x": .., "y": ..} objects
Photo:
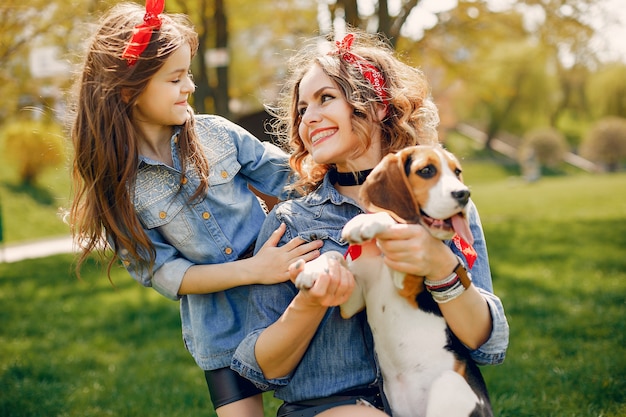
[{"x": 320, "y": 135}]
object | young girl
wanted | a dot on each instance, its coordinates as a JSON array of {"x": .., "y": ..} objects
[
  {"x": 168, "y": 191},
  {"x": 347, "y": 104}
]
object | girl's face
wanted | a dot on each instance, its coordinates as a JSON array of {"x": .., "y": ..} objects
[
  {"x": 163, "y": 103},
  {"x": 326, "y": 125}
]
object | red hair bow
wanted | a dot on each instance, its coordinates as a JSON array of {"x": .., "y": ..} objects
[
  {"x": 368, "y": 70},
  {"x": 143, "y": 32}
]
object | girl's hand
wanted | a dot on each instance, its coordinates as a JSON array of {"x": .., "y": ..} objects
[
  {"x": 272, "y": 262},
  {"x": 411, "y": 249}
]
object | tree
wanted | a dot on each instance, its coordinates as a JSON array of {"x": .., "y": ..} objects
[
  {"x": 606, "y": 91},
  {"x": 500, "y": 79},
  {"x": 203, "y": 14},
  {"x": 264, "y": 36},
  {"x": 606, "y": 143},
  {"x": 34, "y": 146},
  {"x": 249, "y": 39},
  {"x": 547, "y": 145},
  {"x": 379, "y": 18},
  {"x": 20, "y": 25},
  {"x": 472, "y": 41}
]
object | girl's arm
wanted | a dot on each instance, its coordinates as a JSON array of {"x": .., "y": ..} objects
[{"x": 270, "y": 265}]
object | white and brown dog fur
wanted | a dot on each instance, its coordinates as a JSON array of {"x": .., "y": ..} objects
[{"x": 426, "y": 370}]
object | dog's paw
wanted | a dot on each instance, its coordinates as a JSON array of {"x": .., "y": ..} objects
[
  {"x": 365, "y": 227},
  {"x": 313, "y": 269}
]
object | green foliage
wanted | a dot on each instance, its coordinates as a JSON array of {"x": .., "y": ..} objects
[
  {"x": 606, "y": 142},
  {"x": 606, "y": 91},
  {"x": 30, "y": 211},
  {"x": 33, "y": 146},
  {"x": 547, "y": 145},
  {"x": 573, "y": 127}
]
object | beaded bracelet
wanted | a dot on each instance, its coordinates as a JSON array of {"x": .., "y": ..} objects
[{"x": 450, "y": 287}]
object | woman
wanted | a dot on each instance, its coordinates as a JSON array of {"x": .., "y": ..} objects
[{"x": 345, "y": 107}]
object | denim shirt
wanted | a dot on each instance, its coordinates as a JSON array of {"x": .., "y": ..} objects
[
  {"x": 215, "y": 230},
  {"x": 341, "y": 354}
]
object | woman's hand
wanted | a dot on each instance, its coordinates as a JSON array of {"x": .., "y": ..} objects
[
  {"x": 411, "y": 249},
  {"x": 272, "y": 262},
  {"x": 333, "y": 284}
]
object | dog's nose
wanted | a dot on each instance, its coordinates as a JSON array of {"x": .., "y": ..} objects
[{"x": 461, "y": 196}]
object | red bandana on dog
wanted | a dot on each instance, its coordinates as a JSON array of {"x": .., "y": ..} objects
[
  {"x": 466, "y": 249},
  {"x": 353, "y": 252}
]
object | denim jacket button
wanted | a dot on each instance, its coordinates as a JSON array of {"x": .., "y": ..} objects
[
  {"x": 184, "y": 181},
  {"x": 206, "y": 215},
  {"x": 224, "y": 174},
  {"x": 228, "y": 251},
  {"x": 162, "y": 214}
]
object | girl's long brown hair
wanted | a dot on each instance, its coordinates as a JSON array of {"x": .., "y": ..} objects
[
  {"x": 105, "y": 141},
  {"x": 412, "y": 117}
]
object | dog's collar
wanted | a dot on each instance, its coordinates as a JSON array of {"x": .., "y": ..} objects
[{"x": 348, "y": 178}]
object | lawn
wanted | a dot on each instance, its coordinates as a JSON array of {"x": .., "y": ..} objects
[{"x": 557, "y": 249}]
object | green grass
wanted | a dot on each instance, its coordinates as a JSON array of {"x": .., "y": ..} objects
[
  {"x": 85, "y": 348},
  {"x": 557, "y": 253},
  {"x": 32, "y": 212}
]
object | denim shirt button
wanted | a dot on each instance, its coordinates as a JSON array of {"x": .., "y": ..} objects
[
  {"x": 224, "y": 174},
  {"x": 162, "y": 214},
  {"x": 228, "y": 251},
  {"x": 206, "y": 215}
]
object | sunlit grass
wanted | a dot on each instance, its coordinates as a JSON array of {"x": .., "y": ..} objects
[{"x": 557, "y": 254}]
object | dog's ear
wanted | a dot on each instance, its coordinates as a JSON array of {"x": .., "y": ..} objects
[{"x": 387, "y": 189}]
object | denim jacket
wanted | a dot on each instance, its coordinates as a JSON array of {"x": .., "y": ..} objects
[
  {"x": 215, "y": 230},
  {"x": 340, "y": 356}
]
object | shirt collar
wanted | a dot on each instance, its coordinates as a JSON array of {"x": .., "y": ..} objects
[
  {"x": 325, "y": 193},
  {"x": 142, "y": 160}
]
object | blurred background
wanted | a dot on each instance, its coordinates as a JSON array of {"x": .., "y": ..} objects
[{"x": 547, "y": 70}]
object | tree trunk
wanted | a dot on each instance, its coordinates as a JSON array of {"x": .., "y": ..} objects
[{"x": 221, "y": 42}]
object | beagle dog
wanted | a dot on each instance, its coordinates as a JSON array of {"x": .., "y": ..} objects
[{"x": 427, "y": 371}]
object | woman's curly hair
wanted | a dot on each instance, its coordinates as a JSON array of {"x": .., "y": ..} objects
[{"x": 412, "y": 117}]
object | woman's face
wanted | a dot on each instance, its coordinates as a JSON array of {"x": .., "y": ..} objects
[{"x": 326, "y": 124}]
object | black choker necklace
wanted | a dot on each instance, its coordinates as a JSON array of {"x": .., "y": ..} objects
[{"x": 348, "y": 178}]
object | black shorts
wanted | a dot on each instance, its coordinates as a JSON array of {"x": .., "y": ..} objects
[{"x": 227, "y": 386}]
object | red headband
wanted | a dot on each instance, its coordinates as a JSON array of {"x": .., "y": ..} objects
[
  {"x": 143, "y": 32},
  {"x": 368, "y": 70}
]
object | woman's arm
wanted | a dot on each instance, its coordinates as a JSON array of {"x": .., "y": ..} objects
[
  {"x": 281, "y": 346},
  {"x": 412, "y": 249}
]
